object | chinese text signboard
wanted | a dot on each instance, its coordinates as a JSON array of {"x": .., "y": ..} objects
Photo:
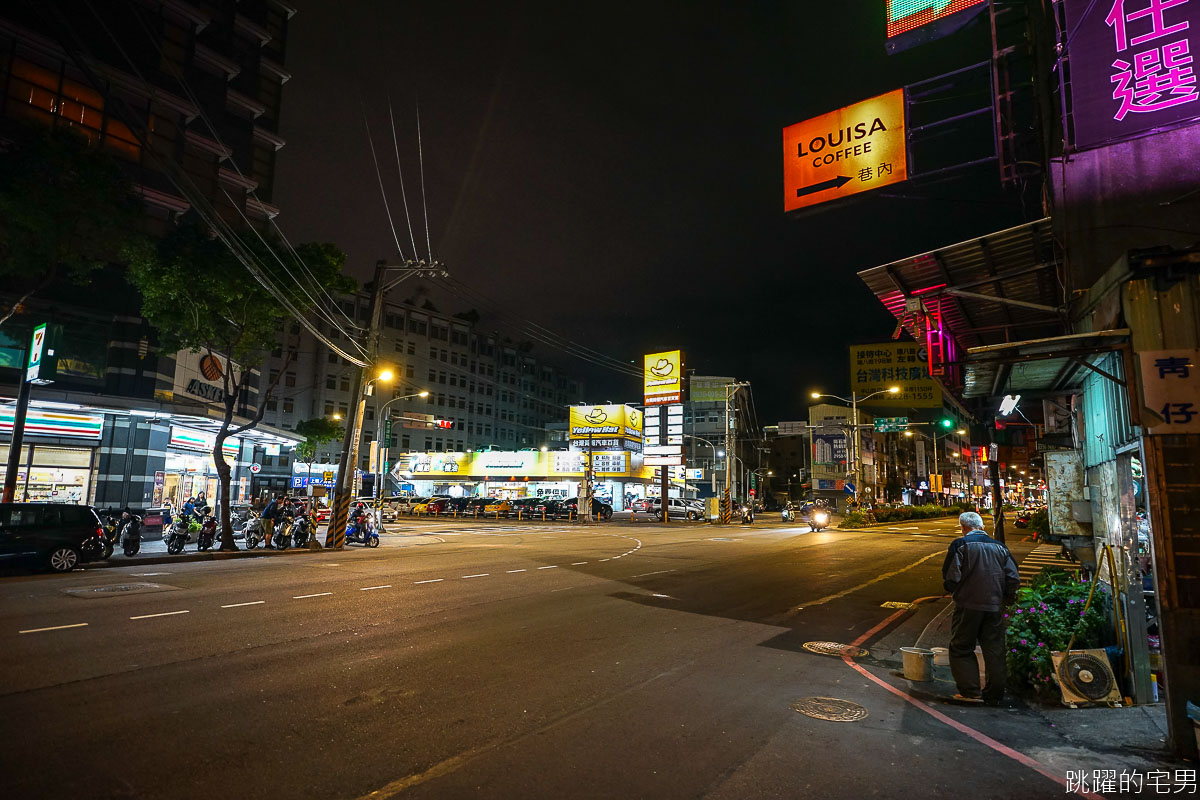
[
  {"x": 878, "y": 367},
  {"x": 1131, "y": 66},
  {"x": 1171, "y": 389},
  {"x": 851, "y": 150},
  {"x": 608, "y": 421},
  {"x": 829, "y": 448}
]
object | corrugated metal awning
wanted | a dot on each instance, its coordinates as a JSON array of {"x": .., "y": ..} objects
[{"x": 1038, "y": 366}]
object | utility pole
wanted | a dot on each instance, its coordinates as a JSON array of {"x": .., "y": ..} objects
[
  {"x": 344, "y": 488},
  {"x": 731, "y": 390},
  {"x": 585, "y": 501},
  {"x": 18, "y": 436}
]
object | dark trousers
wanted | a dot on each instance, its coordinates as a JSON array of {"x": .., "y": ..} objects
[{"x": 985, "y": 628}]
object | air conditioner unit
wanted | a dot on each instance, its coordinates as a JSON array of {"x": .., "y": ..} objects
[{"x": 1085, "y": 677}]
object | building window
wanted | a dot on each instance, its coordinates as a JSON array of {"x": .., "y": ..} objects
[
  {"x": 329, "y": 409},
  {"x": 271, "y": 404},
  {"x": 289, "y": 379},
  {"x": 428, "y": 443},
  {"x": 345, "y": 383},
  {"x": 330, "y": 381},
  {"x": 289, "y": 405}
]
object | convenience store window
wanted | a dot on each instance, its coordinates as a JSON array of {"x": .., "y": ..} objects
[{"x": 56, "y": 475}]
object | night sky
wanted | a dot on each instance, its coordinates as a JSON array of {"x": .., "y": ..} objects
[{"x": 613, "y": 171}]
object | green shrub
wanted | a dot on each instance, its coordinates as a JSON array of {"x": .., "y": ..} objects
[
  {"x": 1039, "y": 523},
  {"x": 855, "y": 519},
  {"x": 1042, "y": 621}
]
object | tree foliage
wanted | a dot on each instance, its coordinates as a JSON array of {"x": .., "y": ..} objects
[
  {"x": 316, "y": 432},
  {"x": 66, "y": 209},
  {"x": 202, "y": 298}
]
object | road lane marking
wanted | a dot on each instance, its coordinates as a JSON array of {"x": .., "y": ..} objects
[
  {"x": 578, "y": 563},
  {"x": 431, "y": 580},
  {"x": 239, "y": 605},
  {"x": 552, "y": 566},
  {"x": 306, "y": 596},
  {"x": 163, "y": 614},
  {"x": 865, "y": 584},
  {"x": 511, "y": 571},
  {"x": 369, "y": 588},
  {"x": 150, "y": 574},
  {"x": 55, "y": 628},
  {"x": 659, "y": 572},
  {"x": 479, "y": 575}
]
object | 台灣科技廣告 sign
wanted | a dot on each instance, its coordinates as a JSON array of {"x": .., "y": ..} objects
[
  {"x": 878, "y": 367},
  {"x": 845, "y": 152}
]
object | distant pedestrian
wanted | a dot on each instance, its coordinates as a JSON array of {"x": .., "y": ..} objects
[{"x": 981, "y": 575}]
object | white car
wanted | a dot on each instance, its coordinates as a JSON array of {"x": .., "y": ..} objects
[{"x": 678, "y": 508}]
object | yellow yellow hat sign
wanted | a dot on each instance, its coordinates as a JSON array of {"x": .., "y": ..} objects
[
  {"x": 663, "y": 378},
  {"x": 851, "y": 150}
]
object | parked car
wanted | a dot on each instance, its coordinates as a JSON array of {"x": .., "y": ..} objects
[
  {"x": 498, "y": 508},
  {"x": 55, "y": 536},
  {"x": 432, "y": 506},
  {"x": 524, "y": 506},
  {"x": 550, "y": 507},
  {"x": 643, "y": 504},
  {"x": 677, "y": 508},
  {"x": 406, "y": 503},
  {"x": 599, "y": 510}
]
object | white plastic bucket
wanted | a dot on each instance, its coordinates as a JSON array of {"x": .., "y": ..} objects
[
  {"x": 918, "y": 663},
  {"x": 982, "y": 668},
  {"x": 941, "y": 656}
]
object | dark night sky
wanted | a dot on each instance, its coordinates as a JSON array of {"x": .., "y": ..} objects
[{"x": 613, "y": 171}]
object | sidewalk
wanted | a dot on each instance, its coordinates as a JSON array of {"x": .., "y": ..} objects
[{"x": 1061, "y": 738}]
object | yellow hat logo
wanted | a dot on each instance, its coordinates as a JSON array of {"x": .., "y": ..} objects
[
  {"x": 662, "y": 369},
  {"x": 597, "y": 416}
]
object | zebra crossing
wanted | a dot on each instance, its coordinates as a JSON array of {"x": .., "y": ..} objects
[{"x": 1044, "y": 555}]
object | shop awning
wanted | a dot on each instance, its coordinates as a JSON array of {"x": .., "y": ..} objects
[
  {"x": 1050, "y": 365},
  {"x": 989, "y": 290}
]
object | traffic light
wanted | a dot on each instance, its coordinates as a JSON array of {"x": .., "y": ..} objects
[
  {"x": 946, "y": 422},
  {"x": 443, "y": 423}
]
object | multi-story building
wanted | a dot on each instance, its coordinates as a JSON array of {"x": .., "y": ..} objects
[
  {"x": 705, "y": 421},
  {"x": 493, "y": 391},
  {"x": 177, "y": 92}
]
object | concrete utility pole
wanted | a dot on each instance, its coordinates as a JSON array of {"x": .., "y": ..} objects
[
  {"x": 731, "y": 390},
  {"x": 343, "y": 491}
]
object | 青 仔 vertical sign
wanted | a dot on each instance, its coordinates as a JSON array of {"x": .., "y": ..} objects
[{"x": 845, "y": 152}]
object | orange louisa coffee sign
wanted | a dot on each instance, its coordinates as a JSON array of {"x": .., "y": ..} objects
[{"x": 854, "y": 149}]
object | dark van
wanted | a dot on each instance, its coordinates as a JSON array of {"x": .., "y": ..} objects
[{"x": 55, "y": 536}]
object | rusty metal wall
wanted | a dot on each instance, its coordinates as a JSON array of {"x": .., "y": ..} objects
[{"x": 1105, "y": 413}]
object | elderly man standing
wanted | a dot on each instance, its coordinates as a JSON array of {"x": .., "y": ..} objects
[{"x": 981, "y": 575}]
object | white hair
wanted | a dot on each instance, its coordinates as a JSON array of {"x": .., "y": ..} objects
[{"x": 971, "y": 521}]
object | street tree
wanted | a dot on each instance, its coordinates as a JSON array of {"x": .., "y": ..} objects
[
  {"x": 317, "y": 432},
  {"x": 203, "y": 299},
  {"x": 66, "y": 210}
]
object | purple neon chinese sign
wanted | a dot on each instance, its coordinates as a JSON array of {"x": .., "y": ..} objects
[{"x": 1131, "y": 66}]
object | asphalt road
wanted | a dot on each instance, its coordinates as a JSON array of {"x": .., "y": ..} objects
[{"x": 502, "y": 660}]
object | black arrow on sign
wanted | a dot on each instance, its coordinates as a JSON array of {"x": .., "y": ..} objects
[{"x": 833, "y": 183}]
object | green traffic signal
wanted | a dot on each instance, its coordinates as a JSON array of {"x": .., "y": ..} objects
[{"x": 947, "y": 422}]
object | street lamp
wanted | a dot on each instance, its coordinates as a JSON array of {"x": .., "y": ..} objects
[
  {"x": 933, "y": 440},
  {"x": 716, "y": 454},
  {"x": 379, "y": 417},
  {"x": 854, "y": 401}
]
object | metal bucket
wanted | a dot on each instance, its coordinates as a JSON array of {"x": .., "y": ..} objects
[{"x": 918, "y": 663}]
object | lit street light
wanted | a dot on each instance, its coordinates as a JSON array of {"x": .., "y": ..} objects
[{"x": 854, "y": 401}]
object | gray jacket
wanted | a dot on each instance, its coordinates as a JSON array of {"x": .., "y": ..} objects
[{"x": 980, "y": 573}]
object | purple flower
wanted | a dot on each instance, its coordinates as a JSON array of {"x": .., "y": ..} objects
[
  {"x": 1014, "y": 649},
  {"x": 1018, "y": 611},
  {"x": 1024, "y": 642},
  {"x": 1041, "y": 644}
]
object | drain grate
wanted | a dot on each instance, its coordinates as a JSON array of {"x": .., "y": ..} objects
[
  {"x": 835, "y": 649},
  {"x": 114, "y": 589},
  {"x": 831, "y": 709}
]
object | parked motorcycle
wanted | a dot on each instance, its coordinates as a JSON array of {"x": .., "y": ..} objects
[
  {"x": 283, "y": 534},
  {"x": 301, "y": 530},
  {"x": 176, "y": 536},
  {"x": 129, "y": 530},
  {"x": 208, "y": 530},
  {"x": 253, "y": 531}
]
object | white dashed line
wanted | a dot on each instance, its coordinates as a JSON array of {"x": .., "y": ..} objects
[
  {"x": 659, "y": 572},
  {"x": 667, "y": 596},
  {"x": 55, "y": 628},
  {"x": 511, "y": 571},
  {"x": 605, "y": 559},
  {"x": 163, "y": 614},
  {"x": 369, "y": 588},
  {"x": 552, "y": 566},
  {"x": 431, "y": 580},
  {"x": 150, "y": 574},
  {"x": 480, "y": 575},
  {"x": 239, "y": 605},
  {"x": 578, "y": 563},
  {"x": 306, "y": 596}
]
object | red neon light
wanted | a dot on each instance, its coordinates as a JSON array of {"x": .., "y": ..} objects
[
  {"x": 905, "y": 15},
  {"x": 929, "y": 288}
]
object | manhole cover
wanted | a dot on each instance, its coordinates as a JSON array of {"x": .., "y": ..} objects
[
  {"x": 830, "y": 708},
  {"x": 113, "y": 589},
  {"x": 835, "y": 649}
]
